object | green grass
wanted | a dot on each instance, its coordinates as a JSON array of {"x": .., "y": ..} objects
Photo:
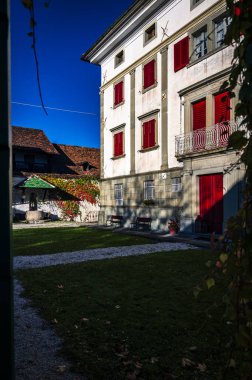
[
  {"x": 134, "y": 317},
  {"x": 41, "y": 241}
]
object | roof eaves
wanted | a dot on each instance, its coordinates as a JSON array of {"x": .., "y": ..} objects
[{"x": 125, "y": 17}]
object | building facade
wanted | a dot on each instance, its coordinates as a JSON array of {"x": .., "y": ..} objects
[
  {"x": 53, "y": 178},
  {"x": 165, "y": 121}
]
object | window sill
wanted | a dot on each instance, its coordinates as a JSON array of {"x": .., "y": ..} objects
[
  {"x": 117, "y": 157},
  {"x": 143, "y": 150},
  {"x": 150, "y": 87},
  {"x": 118, "y": 105},
  {"x": 214, "y": 51},
  {"x": 146, "y": 42}
]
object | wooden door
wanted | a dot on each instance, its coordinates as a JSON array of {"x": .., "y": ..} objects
[{"x": 211, "y": 201}]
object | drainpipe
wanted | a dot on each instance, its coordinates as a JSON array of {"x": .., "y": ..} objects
[{"x": 6, "y": 278}]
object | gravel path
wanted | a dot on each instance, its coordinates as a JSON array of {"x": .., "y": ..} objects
[
  {"x": 25, "y": 262},
  {"x": 36, "y": 344}
]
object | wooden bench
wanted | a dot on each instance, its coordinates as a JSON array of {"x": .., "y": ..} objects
[
  {"x": 115, "y": 219},
  {"x": 142, "y": 222}
]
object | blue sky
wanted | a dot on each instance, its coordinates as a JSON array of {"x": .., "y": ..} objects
[{"x": 64, "y": 31}]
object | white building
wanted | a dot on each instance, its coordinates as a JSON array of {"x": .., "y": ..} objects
[{"x": 164, "y": 121}]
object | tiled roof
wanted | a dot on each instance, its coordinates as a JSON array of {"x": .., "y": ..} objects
[
  {"x": 76, "y": 159},
  {"x": 64, "y": 161},
  {"x": 31, "y": 138}
]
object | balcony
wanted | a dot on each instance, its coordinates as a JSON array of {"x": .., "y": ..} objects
[{"x": 206, "y": 139}]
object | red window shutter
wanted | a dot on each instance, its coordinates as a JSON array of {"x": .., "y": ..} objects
[
  {"x": 181, "y": 54},
  {"x": 115, "y": 145},
  {"x": 145, "y": 134},
  {"x": 184, "y": 51},
  {"x": 118, "y": 93},
  {"x": 152, "y": 141},
  {"x": 118, "y": 144},
  {"x": 222, "y": 107},
  {"x": 149, "y": 138},
  {"x": 177, "y": 56},
  {"x": 199, "y": 115},
  {"x": 149, "y": 73}
]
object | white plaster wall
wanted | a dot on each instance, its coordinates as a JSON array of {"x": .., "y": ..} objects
[
  {"x": 114, "y": 117},
  {"x": 88, "y": 211},
  {"x": 183, "y": 78},
  {"x": 175, "y": 16},
  {"x": 144, "y": 103}
]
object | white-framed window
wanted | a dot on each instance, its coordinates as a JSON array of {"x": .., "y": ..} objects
[
  {"x": 150, "y": 33},
  {"x": 200, "y": 44},
  {"x": 176, "y": 184},
  {"x": 118, "y": 194},
  {"x": 220, "y": 30},
  {"x": 149, "y": 190}
]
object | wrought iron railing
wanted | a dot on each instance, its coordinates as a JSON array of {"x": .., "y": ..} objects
[{"x": 205, "y": 139}]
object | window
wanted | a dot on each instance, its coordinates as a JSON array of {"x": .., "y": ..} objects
[
  {"x": 149, "y": 190},
  {"x": 222, "y": 107},
  {"x": 118, "y": 144},
  {"x": 119, "y": 58},
  {"x": 200, "y": 44},
  {"x": 118, "y": 93},
  {"x": 199, "y": 125},
  {"x": 150, "y": 33},
  {"x": 220, "y": 29},
  {"x": 181, "y": 54},
  {"x": 149, "y": 74},
  {"x": 149, "y": 134},
  {"x": 29, "y": 160},
  {"x": 119, "y": 194},
  {"x": 194, "y": 3},
  {"x": 176, "y": 184},
  {"x": 199, "y": 115}
]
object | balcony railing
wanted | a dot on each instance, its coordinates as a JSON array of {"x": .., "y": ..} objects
[{"x": 205, "y": 139}]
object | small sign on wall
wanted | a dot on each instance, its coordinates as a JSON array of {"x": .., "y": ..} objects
[{"x": 163, "y": 175}]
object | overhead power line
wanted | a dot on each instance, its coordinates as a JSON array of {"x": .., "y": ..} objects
[{"x": 54, "y": 108}]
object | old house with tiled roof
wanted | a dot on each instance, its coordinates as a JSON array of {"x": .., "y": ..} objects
[{"x": 41, "y": 167}]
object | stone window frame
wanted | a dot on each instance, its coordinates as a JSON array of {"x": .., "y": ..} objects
[
  {"x": 192, "y": 49},
  {"x": 119, "y": 190},
  {"x": 146, "y": 188},
  {"x": 146, "y": 117},
  {"x": 123, "y": 100},
  {"x": 118, "y": 129},
  {"x": 153, "y": 57},
  {"x": 220, "y": 16},
  {"x": 147, "y": 40},
  {"x": 118, "y": 63},
  {"x": 209, "y": 25},
  {"x": 208, "y": 89},
  {"x": 176, "y": 186}
]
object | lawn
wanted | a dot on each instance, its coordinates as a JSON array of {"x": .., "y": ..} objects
[
  {"x": 40, "y": 241},
  {"x": 134, "y": 317}
]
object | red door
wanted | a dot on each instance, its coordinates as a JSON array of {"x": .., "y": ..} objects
[
  {"x": 199, "y": 125},
  {"x": 211, "y": 202}
]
